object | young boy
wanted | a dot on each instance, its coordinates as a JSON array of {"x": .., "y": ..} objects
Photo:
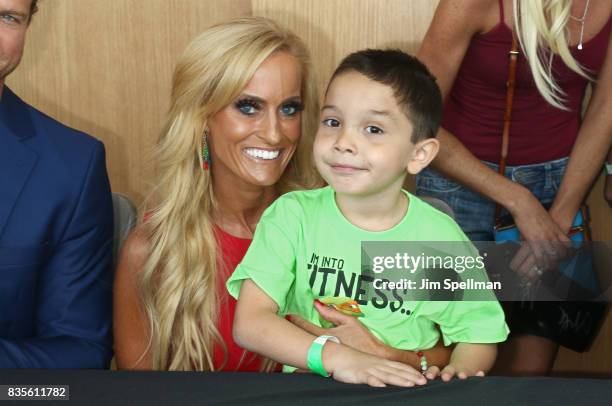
[{"x": 381, "y": 113}]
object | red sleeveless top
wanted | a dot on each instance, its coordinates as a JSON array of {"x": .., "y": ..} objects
[
  {"x": 232, "y": 250},
  {"x": 474, "y": 110}
]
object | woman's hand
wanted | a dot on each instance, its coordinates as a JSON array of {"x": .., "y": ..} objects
[
  {"x": 545, "y": 242},
  {"x": 348, "y": 329}
]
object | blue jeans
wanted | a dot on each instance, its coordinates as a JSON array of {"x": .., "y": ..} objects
[{"x": 475, "y": 213}]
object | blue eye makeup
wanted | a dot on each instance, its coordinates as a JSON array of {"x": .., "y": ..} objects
[
  {"x": 247, "y": 106},
  {"x": 8, "y": 18},
  {"x": 291, "y": 108},
  {"x": 251, "y": 107}
]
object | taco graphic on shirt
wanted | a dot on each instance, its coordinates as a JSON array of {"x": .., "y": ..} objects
[{"x": 344, "y": 305}]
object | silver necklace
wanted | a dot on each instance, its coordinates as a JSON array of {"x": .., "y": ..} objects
[{"x": 581, "y": 21}]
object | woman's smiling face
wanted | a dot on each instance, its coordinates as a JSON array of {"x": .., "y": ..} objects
[{"x": 253, "y": 138}]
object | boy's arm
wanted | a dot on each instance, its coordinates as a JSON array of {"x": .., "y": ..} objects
[
  {"x": 437, "y": 356},
  {"x": 476, "y": 327},
  {"x": 258, "y": 328},
  {"x": 353, "y": 333}
]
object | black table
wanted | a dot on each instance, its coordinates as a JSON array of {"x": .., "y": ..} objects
[{"x": 91, "y": 387}]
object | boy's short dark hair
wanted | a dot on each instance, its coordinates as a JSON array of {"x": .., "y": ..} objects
[{"x": 414, "y": 87}]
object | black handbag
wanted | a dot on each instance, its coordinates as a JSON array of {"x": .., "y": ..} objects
[{"x": 572, "y": 324}]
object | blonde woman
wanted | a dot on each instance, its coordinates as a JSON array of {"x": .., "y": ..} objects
[
  {"x": 238, "y": 133},
  {"x": 243, "y": 112},
  {"x": 554, "y": 153}
]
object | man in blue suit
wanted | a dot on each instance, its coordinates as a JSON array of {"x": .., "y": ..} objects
[{"x": 56, "y": 229}]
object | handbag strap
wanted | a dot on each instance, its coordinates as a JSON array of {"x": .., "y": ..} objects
[{"x": 510, "y": 84}]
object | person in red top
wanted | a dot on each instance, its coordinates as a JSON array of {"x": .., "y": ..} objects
[
  {"x": 238, "y": 133},
  {"x": 242, "y": 117},
  {"x": 554, "y": 153}
]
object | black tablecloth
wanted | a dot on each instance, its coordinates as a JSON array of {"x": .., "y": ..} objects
[{"x": 187, "y": 388}]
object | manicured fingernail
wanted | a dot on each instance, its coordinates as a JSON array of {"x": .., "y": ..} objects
[{"x": 317, "y": 301}]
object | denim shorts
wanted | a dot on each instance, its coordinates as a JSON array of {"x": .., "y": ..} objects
[{"x": 475, "y": 213}]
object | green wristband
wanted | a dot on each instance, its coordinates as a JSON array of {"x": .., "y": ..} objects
[
  {"x": 608, "y": 168},
  {"x": 314, "y": 358}
]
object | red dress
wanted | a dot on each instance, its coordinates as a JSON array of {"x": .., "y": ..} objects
[{"x": 232, "y": 250}]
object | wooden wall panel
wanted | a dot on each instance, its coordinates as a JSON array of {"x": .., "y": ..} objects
[
  {"x": 104, "y": 67},
  {"x": 332, "y": 29}
]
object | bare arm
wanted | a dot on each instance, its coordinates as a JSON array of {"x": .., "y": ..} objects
[
  {"x": 353, "y": 333},
  {"x": 130, "y": 326},
  {"x": 443, "y": 49},
  {"x": 593, "y": 142},
  {"x": 258, "y": 328},
  {"x": 436, "y": 356}
]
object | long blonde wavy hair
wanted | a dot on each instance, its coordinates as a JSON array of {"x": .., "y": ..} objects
[
  {"x": 178, "y": 285},
  {"x": 541, "y": 28}
]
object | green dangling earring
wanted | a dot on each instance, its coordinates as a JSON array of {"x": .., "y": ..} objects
[{"x": 206, "y": 161}]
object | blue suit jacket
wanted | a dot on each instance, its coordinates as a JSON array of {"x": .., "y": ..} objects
[{"x": 56, "y": 224}]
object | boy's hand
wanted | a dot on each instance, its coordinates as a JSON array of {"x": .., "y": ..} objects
[
  {"x": 450, "y": 371},
  {"x": 468, "y": 359},
  {"x": 351, "y": 366}
]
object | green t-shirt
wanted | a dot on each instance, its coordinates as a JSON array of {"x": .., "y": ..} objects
[{"x": 304, "y": 249}]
